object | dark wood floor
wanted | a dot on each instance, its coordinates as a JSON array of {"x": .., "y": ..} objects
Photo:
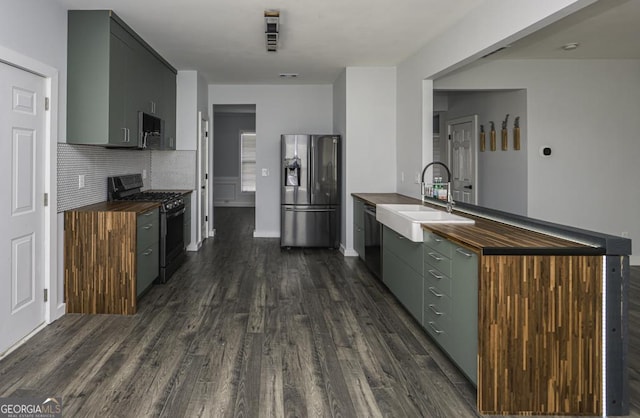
[{"x": 245, "y": 329}]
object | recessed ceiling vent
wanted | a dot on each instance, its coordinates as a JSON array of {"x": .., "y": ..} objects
[{"x": 272, "y": 22}]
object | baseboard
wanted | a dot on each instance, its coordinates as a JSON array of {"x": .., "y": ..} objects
[
  {"x": 266, "y": 234},
  {"x": 234, "y": 204},
  {"x": 22, "y": 341},
  {"x": 350, "y": 252},
  {"x": 634, "y": 260},
  {"x": 194, "y": 247}
]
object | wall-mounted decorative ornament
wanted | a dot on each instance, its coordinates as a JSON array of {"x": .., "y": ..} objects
[
  {"x": 516, "y": 134},
  {"x": 482, "y": 138},
  {"x": 505, "y": 134},
  {"x": 492, "y": 135}
]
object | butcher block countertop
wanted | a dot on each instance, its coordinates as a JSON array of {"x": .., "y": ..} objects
[
  {"x": 119, "y": 206},
  {"x": 490, "y": 237}
]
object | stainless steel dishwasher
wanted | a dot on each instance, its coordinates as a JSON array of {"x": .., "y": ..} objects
[{"x": 372, "y": 241}]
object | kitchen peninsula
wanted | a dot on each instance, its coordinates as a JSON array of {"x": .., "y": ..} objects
[{"x": 542, "y": 307}]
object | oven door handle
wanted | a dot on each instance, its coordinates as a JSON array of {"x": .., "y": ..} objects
[{"x": 175, "y": 214}]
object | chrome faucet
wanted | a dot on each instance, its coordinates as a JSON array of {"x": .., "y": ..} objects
[{"x": 450, "y": 201}]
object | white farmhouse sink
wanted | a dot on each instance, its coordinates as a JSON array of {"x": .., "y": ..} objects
[{"x": 407, "y": 220}]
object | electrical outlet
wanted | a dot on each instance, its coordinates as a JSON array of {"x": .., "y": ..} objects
[
  {"x": 144, "y": 174},
  {"x": 265, "y": 172},
  {"x": 416, "y": 178},
  {"x": 402, "y": 177},
  {"x": 81, "y": 181},
  {"x": 625, "y": 234}
]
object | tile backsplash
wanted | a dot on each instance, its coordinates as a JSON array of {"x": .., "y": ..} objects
[
  {"x": 173, "y": 170},
  {"x": 96, "y": 164}
]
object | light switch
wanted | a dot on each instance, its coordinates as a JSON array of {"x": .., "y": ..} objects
[
  {"x": 265, "y": 172},
  {"x": 144, "y": 174}
]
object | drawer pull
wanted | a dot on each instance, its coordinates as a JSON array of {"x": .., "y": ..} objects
[
  {"x": 148, "y": 226},
  {"x": 148, "y": 252},
  {"x": 436, "y": 330},
  {"x": 435, "y": 274},
  {"x": 435, "y": 256},
  {"x": 148, "y": 213},
  {"x": 463, "y": 252},
  {"x": 433, "y": 291},
  {"x": 438, "y": 240},
  {"x": 434, "y": 310},
  {"x": 399, "y": 236}
]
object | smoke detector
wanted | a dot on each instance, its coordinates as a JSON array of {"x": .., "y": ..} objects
[{"x": 272, "y": 22}]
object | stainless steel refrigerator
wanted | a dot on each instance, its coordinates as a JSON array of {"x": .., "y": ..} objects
[{"x": 310, "y": 192}]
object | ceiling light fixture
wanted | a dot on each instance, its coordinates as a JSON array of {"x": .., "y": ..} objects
[
  {"x": 272, "y": 22},
  {"x": 570, "y": 46}
]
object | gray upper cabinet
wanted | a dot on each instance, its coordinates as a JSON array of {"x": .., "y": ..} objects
[{"x": 112, "y": 76}]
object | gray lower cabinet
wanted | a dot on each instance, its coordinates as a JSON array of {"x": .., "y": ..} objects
[
  {"x": 402, "y": 270},
  {"x": 147, "y": 249},
  {"x": 358, "y": 226},
  {"x": 450, "y": 313},
  {"x": 112, "y": 75}
]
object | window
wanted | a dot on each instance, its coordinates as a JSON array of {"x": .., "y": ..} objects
[{"x": 248, "y": 161}]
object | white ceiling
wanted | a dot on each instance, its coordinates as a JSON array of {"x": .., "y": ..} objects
[
  {"x": 225, "y": 41},
  {"x": 608, "y": 29}
]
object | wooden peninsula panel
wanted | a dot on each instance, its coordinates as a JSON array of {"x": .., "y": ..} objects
[
  {"x": 99, "y": 259},
  {"x": 540, "y": 335}
]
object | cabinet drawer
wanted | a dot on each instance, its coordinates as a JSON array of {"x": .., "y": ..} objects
[
  {"x": 408, "y": 251},
  {"x": 358, "y": 212},
  {"x": 148, "y": 228},
  {"x": 435, "y": 260},
  {"x": 437, "y": 307},
  {"x": 437, "y": 243},
  {"x": 439, "y": 332},
  {"x": 438, "y": 279},
  {"x": 403, "y": 282},
  {"x": 148, "y": 267}
]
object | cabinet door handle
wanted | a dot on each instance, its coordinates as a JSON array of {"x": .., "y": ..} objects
[
  {"x": 435, "y": 274},
  {"x": 434, "y": 310},
  {"x": 433, "y": 291},
  {"x": 124, "y": 134},
  {"x": 148, "y": 226},
  {"x": 464, "y": 253},
  {"x": 436, "y": 330},
  {"x": 435, "y": 256},
  {"x": 148, "y": 252}
]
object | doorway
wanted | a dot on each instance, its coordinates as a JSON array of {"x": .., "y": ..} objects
[{"x": 234, "y": 145}]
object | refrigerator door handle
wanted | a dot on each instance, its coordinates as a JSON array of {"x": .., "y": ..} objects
[
  {"x": 309, "y": 210},
  {"x": 311, "y": 167}
]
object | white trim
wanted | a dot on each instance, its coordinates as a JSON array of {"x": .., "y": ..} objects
[
  {"x": 348, "y": 252},
  {"x": 212, "y": 233},
  {"x": 605, "y": 400},
  {"x": 53, "y": 310},
  {"x": 266, "y": 234}
]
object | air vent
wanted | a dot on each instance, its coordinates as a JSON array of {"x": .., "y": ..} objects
[
  {"x": 272, "y": 22},
  {"x": 288, "y": 75}
]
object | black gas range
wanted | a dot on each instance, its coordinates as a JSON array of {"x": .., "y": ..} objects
[{"x": 172, "y": 245}]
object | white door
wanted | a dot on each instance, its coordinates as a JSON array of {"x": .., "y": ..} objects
[
  {"x": 463, "y": 162},
  {"x": 203, "y": 200},
  {"x": 22, "y": 132}
]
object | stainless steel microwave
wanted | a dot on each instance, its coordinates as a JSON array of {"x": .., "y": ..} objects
[{"x": 150, "y": 133}]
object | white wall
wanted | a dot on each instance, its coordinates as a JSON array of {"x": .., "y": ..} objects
[
  {"x": 370, "y": 150},
  {"x": 279, "y": 110},
  {"x": 42, "y": 40},
  {"x": 586, "y": 111},
  {"x": 494, "y": 24},
  {"x": 502, "y": 175},
  {"x": 187, "y": 111}
]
